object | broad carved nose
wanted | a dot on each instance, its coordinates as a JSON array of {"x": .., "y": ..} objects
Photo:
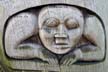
[
  {"x": 62, "y": 32},
  {"x": 61, "y": 35}
]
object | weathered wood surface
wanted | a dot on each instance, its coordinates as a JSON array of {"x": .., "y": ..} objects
[{"x": 23, "y": 60}]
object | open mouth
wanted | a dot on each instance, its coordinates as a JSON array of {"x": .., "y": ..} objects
[{"x": 61, "y": 43}]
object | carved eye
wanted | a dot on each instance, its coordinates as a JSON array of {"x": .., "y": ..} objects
[
  {"x": 71, "y": 23},
  {"x": 51, "y": 22}
]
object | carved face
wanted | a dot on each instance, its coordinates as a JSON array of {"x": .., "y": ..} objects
[{"x": 60, "y": 28}]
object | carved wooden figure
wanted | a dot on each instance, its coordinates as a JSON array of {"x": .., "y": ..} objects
[{"x": 52, "y": 37}]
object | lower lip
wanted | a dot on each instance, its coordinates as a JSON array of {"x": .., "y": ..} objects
[{"x": 62, "y": 46}]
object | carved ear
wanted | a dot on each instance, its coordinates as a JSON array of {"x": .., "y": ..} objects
[
  {"x": 94, "y": 33},
  {"x": 20, "y": 27}
]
